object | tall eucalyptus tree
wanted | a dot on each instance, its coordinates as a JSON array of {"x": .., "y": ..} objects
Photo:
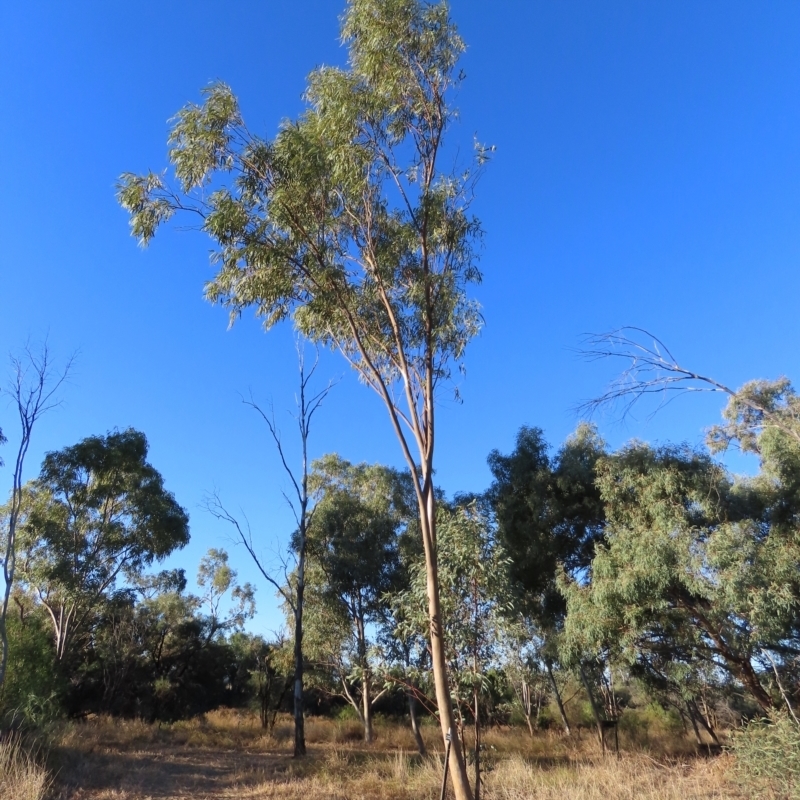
[{"x": 347, "y": 222}]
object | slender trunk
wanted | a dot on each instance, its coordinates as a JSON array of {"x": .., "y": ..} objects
[
  {"x": 526, "y": 706},
  {"x": 363, "y": 663},
  {"x": 299, "y": 722},
  {"x": 706, "y": 723},
  {"x": 557, "y": 694},
  {"x": 477, "y": 712},
  {"x": 595, "y": 710},
  {"x": 750, "y": 680},
  {"x": 694, "y": 723},
  {"x": 458, "y": 768},
  {"x": 366, "y": 704},
  {"x": 412, "y": 713}
]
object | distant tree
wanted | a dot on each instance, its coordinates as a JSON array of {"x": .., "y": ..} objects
[
  {"x": 549, "y": 516},
  {"x": 33, "y": 388},
  {"x": 216, "y": 577},
  {"x": 353, "y": 548},
  {"x": 264, "y": 673},
  {"x": 291, "y": 586},
  {"x": 757, "y": 407},
  {"x": 346, "y": 221},
  {"x": 158, "y": 652},
  {"x": 761, "y": 417},
  {"x": 98, "y": 511}
]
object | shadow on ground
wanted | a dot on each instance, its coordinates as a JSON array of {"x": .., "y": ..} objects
[{"x": 169, "y": 772}]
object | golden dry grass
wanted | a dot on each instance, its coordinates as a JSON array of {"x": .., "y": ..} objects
[
  {"x": 21, "y": 776},
  {"x": 226, "y": 755}
]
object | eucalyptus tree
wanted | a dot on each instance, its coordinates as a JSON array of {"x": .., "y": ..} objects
[
  {"x": 360, "y": 514},
  {"x": 695, "y": 564},
  {"x": 347, "y": 222},
  {"x": 98, "y": 511},
  {"x": 549, "y": 517},
  {"x": 761, "y": 417}
]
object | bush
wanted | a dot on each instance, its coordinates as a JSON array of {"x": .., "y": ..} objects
[
  {"x": 767, "y": 756},
  {"x": 33, "y": 688},
  {"x": 650, "y": 725}
]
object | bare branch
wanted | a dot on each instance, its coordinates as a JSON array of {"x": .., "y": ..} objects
[
  {"x": 276, "y": 437},
  {"x": 213, "y": 505},
  {"x": 652, "y": 370}
]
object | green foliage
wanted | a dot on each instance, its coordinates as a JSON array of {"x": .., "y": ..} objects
[
  {"x": 755, "y": 410},
  {"x": 34, "y": 690},
  {"x": 98, "y": 511},
  {"x": 473, "y": 570},
  {"x": 650, "y": 724},
  {"x": 693, "y": 570},
  {"x": 767, "y": 756},
  {"x": 353, "y": 538},
  {"x": 549, "y": 515},
  {"x": 308, "y": 224}
]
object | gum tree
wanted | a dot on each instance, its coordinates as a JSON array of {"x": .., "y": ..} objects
[
  {"x": 354, "y": 548},
  {"x": 98, "y": 512},
  {"x": 346, "y": 222}
]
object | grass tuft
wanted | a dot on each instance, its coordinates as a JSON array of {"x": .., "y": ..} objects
[{"x": 21, "y": 776}]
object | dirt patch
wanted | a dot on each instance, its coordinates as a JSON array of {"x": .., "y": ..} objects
[{"x": 166, "y": 773}]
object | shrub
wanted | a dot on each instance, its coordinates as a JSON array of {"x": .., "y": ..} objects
[{"x": 767, "y": 756}]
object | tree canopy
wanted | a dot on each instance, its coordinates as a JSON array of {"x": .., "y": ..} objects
[{"x": 98, "y": 511}]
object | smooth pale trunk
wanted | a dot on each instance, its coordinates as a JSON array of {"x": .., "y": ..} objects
[
  {"x": 366, "y": 704},
  {"x": 477, "y": 712},
  {"x": 601, "y": 734},
  {"x": 526, "y": 705},
  {"x": 457, "y": 767}
]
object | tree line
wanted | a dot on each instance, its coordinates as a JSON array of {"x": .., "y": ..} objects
[{"x": 647, "y": 566}]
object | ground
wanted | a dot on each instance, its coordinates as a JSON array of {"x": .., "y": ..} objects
[{"x": 226, "y": 755}]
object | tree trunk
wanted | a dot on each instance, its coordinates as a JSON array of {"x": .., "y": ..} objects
[
  {"x": 601, "y": 735},
  {"x": 299, "y": 722},
  {"x": 457, "y": 766},
  {"x": 477, "y": 712},
  {"x": 527, "y": 707},
  {"x": 412, "y": 712},
  {"x": 559, "y": 702},
  {"x": 706, "y": 723},
  {"x": 694, "y": 723},
  {"x": 366, "y": 705}
]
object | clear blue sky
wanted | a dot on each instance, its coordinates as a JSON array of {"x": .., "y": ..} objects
[{"x": 647, "y": 172}]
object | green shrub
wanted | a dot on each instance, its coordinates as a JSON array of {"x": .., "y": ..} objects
[
  {"x": 767, "y": 756},
  {"x": 33, "y": 689},
  {"x": 346, "y": 713},
  {"x": 649, "y": 725}
]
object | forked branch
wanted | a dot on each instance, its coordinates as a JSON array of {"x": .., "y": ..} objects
[{"x": 652, "y": 370}]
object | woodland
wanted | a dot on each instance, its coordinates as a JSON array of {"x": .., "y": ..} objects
[{"x": 596, "y": 620}]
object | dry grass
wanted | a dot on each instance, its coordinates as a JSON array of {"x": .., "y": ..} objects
[
  {"x": 21, "y": 777},
  {"x": 226, "y": 755}
]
